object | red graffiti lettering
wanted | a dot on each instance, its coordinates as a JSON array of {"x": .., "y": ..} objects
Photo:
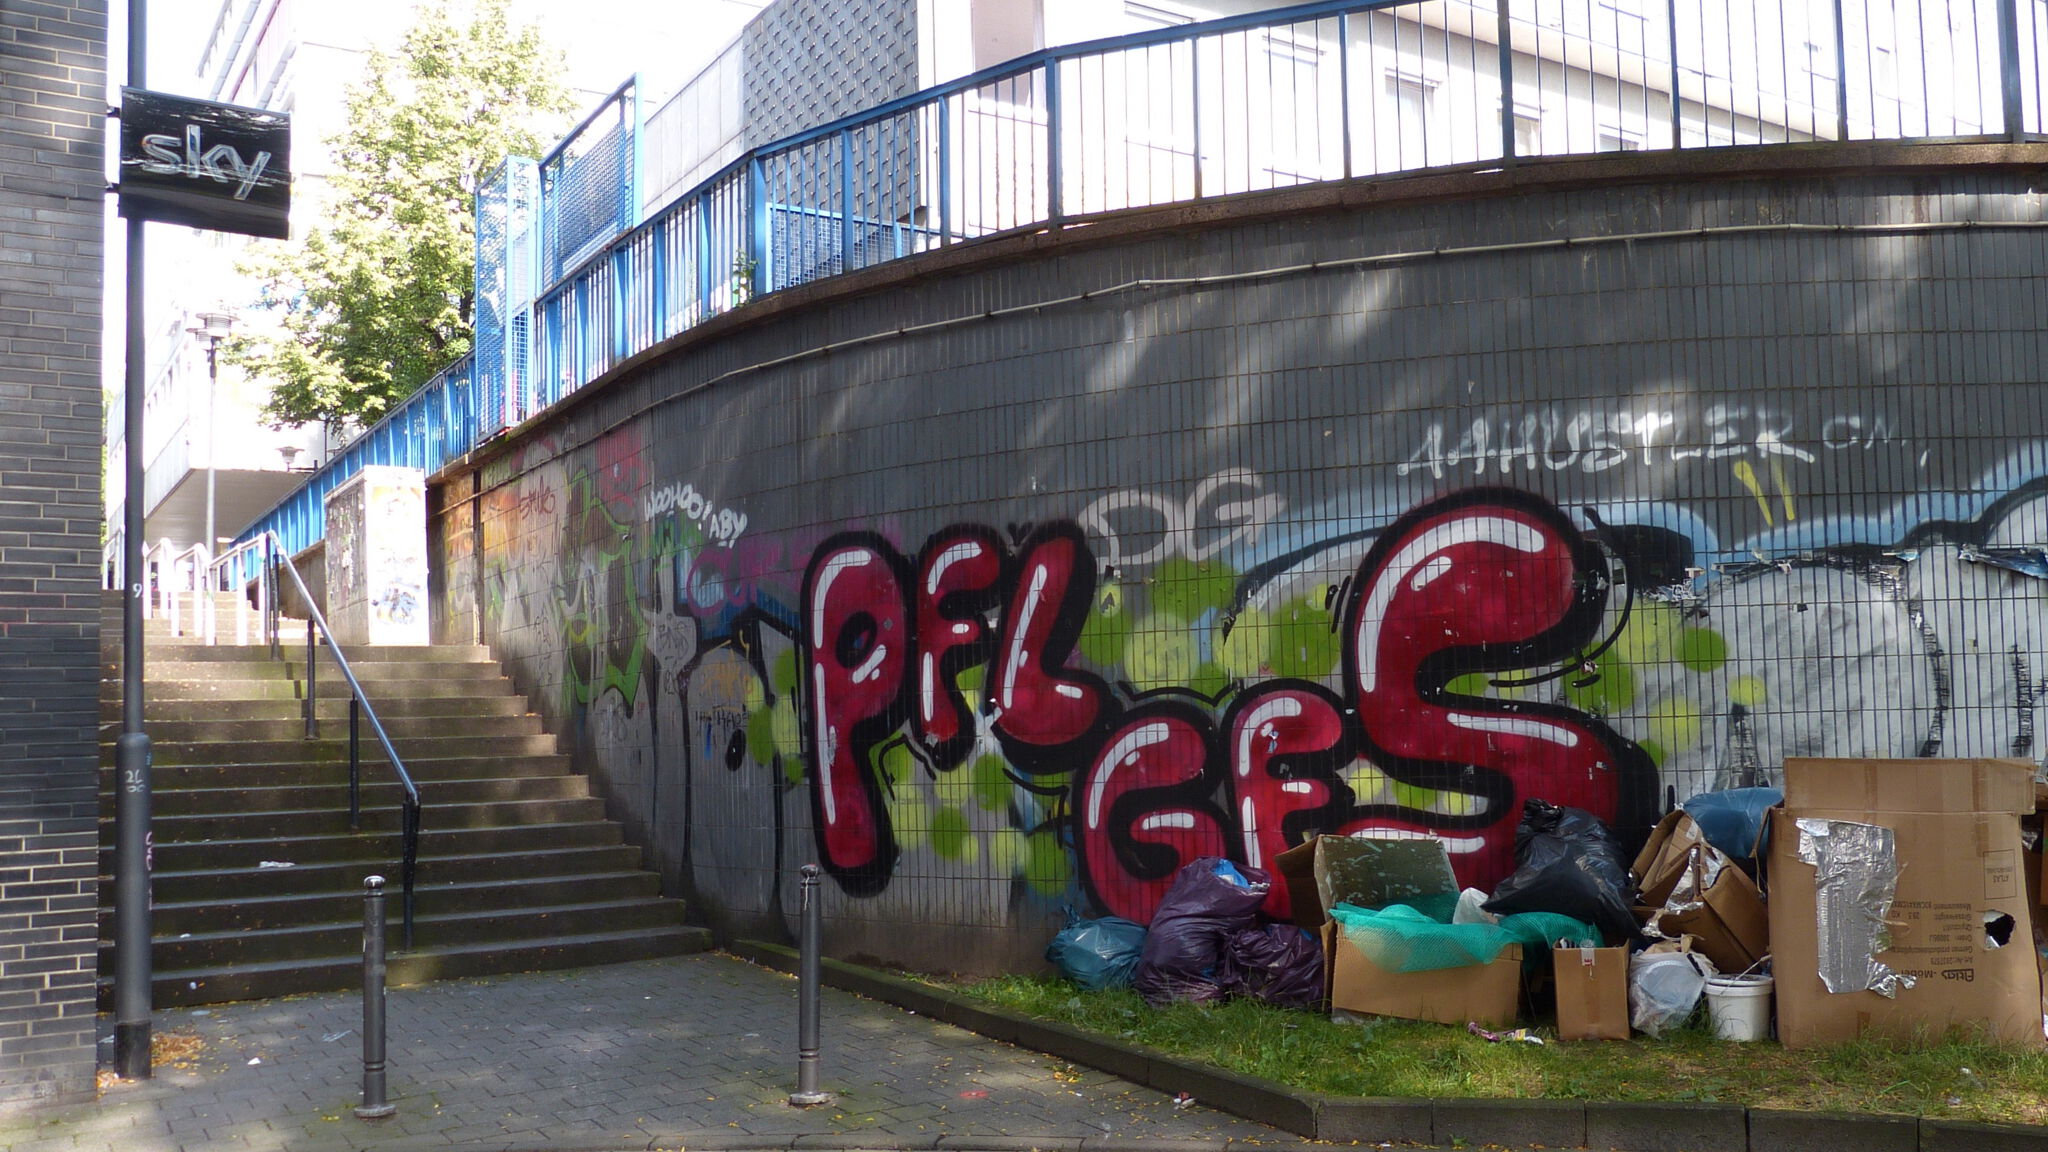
[
  {"x": 1483, "y": 581},
  {"x": 1040, "y": 706},
  {"x": 958, "y": 580},
  {"x": 857, "y": 642},
  {"x": 1285, "y": 742},
  {"x": 1143, "y": 808}
]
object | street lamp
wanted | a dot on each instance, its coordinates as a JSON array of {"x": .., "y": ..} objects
[{"x": 211, "y": 327}]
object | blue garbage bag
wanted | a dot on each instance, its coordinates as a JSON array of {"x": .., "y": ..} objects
[{"x": 1097, "y": 954}]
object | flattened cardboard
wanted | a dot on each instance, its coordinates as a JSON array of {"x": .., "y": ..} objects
[
  {"x": 1955, "y": 866},
  {"x": 1658, "y": 866},
  {"x": 1488, "y": 993},
  {"x": 1592, "y": 993},
  {"x": 1296, "y": 870}
]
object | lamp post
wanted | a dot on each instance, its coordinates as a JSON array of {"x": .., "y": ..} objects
[{"x": 212, "y": 327}]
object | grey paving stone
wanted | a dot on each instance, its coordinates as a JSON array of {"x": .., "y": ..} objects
[{"x": 628, "y": 1056}]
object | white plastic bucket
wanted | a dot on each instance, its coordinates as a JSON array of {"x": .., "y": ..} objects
[{"x": 1740, "y": 1006}]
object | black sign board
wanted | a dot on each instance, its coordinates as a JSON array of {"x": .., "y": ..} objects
[{"x": 206, "y": 165}]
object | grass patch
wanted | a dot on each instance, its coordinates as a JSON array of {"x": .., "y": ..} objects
[{"x": 1387, "y": 1057}]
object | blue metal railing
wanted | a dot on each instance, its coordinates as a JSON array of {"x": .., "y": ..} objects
[{"x": 1321, "y": 91}]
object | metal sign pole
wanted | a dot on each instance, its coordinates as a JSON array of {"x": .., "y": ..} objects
[{"x": 132, "y": 1000}]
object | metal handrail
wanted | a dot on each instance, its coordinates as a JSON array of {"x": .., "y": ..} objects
[{"x": 359, "y": 706}]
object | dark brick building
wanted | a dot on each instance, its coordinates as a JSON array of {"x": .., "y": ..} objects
[{"x": 53, "y": 56}]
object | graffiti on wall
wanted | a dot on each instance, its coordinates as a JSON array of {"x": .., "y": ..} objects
[{"x": 1065, "y": 711}]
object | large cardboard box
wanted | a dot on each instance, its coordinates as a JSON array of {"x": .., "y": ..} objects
[
  {"x": 1488, "y": 993},
  {"x": 1592, "y": 993},
  {"x": 1958, "y": 924}
]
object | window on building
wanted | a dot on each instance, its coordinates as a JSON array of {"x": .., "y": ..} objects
[
  {"x": 1528, "y": 127},
  {"x": 1414, "y": 100},
  {"x": 1884, "y": 77},
  {"x": 1613, "y": 138}
]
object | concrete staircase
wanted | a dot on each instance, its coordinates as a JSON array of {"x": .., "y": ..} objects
[{"x": 258, "y": 879}]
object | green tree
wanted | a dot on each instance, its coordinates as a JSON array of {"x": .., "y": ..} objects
[{"x": 379, "y": 295}]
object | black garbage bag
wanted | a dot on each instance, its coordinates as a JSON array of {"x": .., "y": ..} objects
[
  {"x": 1210, "y": 899},
  {"x": 1281, "y": 964},
  {"x": 1566, "y": 861},
  {"x": 1097, "y": 954}
]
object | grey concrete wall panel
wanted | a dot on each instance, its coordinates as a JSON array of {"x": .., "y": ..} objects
[
  {"x": 52, "y": 127},
  {"x": 1464, "y": 515}
]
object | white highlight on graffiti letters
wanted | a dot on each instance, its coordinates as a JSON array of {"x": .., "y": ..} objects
[
  {"x": 828, "y": 737},
  {"x": 1181, "y": 523},
  {"x": 1126, "y": 749},
  {"x": 1516, "y": 726},
  {"x": 1484, "y": 530}
]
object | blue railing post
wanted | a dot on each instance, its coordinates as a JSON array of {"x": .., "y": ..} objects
[
  {"x": 845, "y": 200},
  {"x": 1344, "y": 79},
  {"x": 1504, "y": 29},
  {"x": 657, "y": 272},
  {"x": 1677, "y": 120},
  {"x": 2009, "y": 68},
  {"x": 760, "y": 251},
  {"x": 705, "y": 279},
  {"x": 1841, "y": 75},
  {"x": 945, "y": 170},
  {"x": 621, "y": 274},
  {"x": 1053, "y": 166}
]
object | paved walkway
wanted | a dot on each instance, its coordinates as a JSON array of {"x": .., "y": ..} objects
[{"x": 692, "y": 1052}]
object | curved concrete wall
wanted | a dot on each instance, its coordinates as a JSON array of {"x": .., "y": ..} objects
[{"x": 1011, "y": 580}]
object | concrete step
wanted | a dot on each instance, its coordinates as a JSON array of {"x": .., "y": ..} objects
[
  {"x": 375, "y": 846},
  {"x": 343, "y": 906},
  {"x": 327, "y": 707},
  {"x": 177, "y": 989},
  {"x": 341, "y": 937},
  {"x": 314, "y": 822},
  {"x": 207, "y": 730},
  {"x": 166, "y": 778},
  {"x": 294, "y": 649},
  {"x": 223, "y": 884},
  {"x": 378, "y": 791},
  {"x": 332, "y": 746}
]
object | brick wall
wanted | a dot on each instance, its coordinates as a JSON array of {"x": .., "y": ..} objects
[{"x": 52, "y": 129}]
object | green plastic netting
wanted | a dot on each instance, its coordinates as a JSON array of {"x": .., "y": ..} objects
[{"x": 1405, "y": 938}]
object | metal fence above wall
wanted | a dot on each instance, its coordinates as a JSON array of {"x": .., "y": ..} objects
[{"x": 1316, "y": 92}]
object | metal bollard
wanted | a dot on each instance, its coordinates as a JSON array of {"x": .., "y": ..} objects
[
  {"x": 807, "y": 979},
  {"x": 374, "y": 1105}
]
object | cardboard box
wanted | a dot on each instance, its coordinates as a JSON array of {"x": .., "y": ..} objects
[
  {"x": 1592, "y": 993},
  {"x": 1662, "y": 861},
  {"x": 1955, "y": 831},
  {"x": 1726, "y": 914},
  {"x": 1369, "y": 871},
  {"x": 1488, "y": 993}
]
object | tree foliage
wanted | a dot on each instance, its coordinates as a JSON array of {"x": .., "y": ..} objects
[{"x": 379, "y": 295}]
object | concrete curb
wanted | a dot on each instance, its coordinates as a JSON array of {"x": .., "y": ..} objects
[{"x": 1623, "y": 1125}]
